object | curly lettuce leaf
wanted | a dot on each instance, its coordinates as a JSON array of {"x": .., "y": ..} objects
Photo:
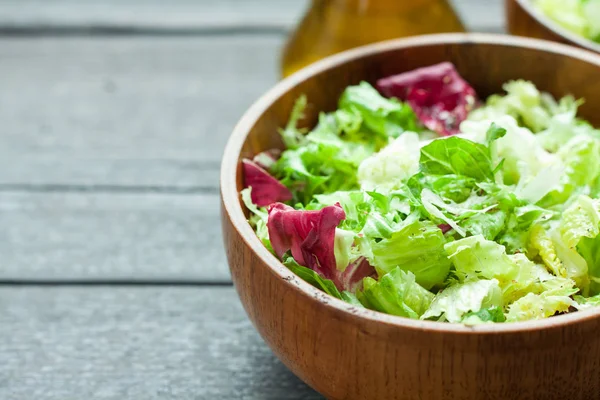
[
  {"x": 477, "y": 258},
  {"x": 395, "y": 163},
  {"x": 385, "y": 117},
  {"x": 396, "y": 293},
  {"x": 484, "y": 316},
  {"x": 417, "y": 247},
  {"x": 258, "y": 217},
  {"x": 538, "y": 306},
  {"x": 522, "y": 101},
  {"x": 580, "y": 157},
  {"x": 455, "y": 301}
]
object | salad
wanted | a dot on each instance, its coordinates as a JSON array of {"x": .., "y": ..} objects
[
  {"x": 416, "y": 198},
  {"x": 578, "y": 16}
]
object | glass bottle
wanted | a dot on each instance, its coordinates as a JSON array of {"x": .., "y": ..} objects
[{"x": 331, "y": 26}]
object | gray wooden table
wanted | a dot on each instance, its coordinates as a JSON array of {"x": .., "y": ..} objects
[{"x": 113, "y": 118}]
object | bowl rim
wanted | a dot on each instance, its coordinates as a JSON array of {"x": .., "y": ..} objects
[
  {"x": 555, "y": 28},
  {"x": 232, "y": 208}
]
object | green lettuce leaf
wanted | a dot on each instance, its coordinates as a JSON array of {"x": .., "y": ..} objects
[
  {"x": 483, "y": 316},
  {"x": 385, "y": 117},
  {"x": 586, "y": 302},
  {"x": 538, "y": 306},
  {"x": 312, "y": 277},
  {"x": 258, "y": 218},
  {"x": 477, "y": 258},
  {"x": 396, "y": 293},
  {"x": 351, "y": 298},
  {"x": 417, "y": 247},
  {"x": 452, "y": 303},
  {"x": 522, "y": 101},
  {"x": 457, "y": 156},
  {"x": 292, "y": 136},
  {"x": 580, "y": 157}
]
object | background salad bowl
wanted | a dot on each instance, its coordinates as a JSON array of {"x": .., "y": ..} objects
[
  {"x": 346, "y": 352},
  {"x": 524, "y": 19}
]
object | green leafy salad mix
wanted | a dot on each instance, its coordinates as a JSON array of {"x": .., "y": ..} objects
[
  {"x": 581, "y": 17},
  {"x": 415, "y": 198}
]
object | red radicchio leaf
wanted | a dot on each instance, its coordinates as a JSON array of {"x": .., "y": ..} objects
[
  {"x": 265, "y": 188},
  {"x": 439, "y": 96},
  {"x": 310, "y": 235},
  {"x": 444, "y": 227},
  {"x": 352, "y": 277}
]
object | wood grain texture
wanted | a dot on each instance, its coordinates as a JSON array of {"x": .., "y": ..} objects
[
  {"x": 387, "y": 357},
  {"x": 126, "y": 111},
  {"x": 135, "y": 343},
  {"x": 111, "y": 236},
  {"x": 192, "y": 15},
  {"x": 523, "y": 19}
]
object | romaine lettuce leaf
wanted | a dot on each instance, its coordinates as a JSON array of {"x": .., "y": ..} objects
[{"x": 396, "y": 293}]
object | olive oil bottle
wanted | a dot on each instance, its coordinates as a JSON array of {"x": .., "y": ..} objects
[{"x": 331, "y": 26}]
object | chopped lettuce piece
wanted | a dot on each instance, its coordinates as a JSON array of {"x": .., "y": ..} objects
[
  {"x": 292, "y": 136},
  {"x": 458, "y": 156},
  {"x": 396, "y": 293},
  {"x": 538, "y": 306},
  {"x": 394, "y": 164},
  {"x": 483, "y": 316},
  {"x": 417, "y": 247},
  {"x": 312, "y": 277},
  {"x": 385, "y": 117},
  {"x": 452, "y": 303}
]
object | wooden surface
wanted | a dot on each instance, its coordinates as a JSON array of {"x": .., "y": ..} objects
[
  {"x": 114, "y": 118},
  {"x": 386, "y": 357}
]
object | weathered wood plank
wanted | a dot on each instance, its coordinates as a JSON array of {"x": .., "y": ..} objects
[
  {"x": 186, "y": 15},
  {"x": 135, "y": 343},
  {"x": 126, "y": 111},
  {"x": 130, "y": 111},
  {"x": 111, "y": 236}
]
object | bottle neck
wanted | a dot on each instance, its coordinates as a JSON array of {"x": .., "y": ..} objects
[{"x": 377, "y": 6}]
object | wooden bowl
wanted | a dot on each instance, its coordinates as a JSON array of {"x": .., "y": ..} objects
[
  {"x": 523, "y": 19},
  {"x": 349, "y": 353}
]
